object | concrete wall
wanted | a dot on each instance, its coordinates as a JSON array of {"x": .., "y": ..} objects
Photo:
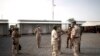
[
  {"x": 4, "y": 29},
  {"x": 28, "y": 28}
]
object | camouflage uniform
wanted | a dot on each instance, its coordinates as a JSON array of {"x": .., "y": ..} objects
[
  {"x": 59, "y": 33},
  {"x": 69, "y": 38},
  {"x": 54, "y": 43},
  {"x": 38, "y": 36},
  {"x": 15, "y": 36},
  {"x": 11, "y": 29},
  {"x": 80, "y": 38},
  {"x": 75, "y": 36}
]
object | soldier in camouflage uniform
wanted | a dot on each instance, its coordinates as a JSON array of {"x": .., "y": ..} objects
[
  {"x": 15, "y": 36},
  {"x": 75, "y": 38},
  {"x": 59, "y": 32},
  {"x": 54, "y": 41},
  {"x": 38, "y": 35},
  {"x": 69, "y": 44}
]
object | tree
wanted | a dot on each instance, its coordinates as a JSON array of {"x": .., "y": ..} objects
[{"x": 71, "y": 20}]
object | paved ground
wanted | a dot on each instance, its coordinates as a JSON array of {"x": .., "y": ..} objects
[
  {"x": 90, "y": 46},
  {"x": 5, "y": 46}
]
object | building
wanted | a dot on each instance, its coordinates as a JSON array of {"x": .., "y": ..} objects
[
  {"x": 91, "y": 26},
  {"x": 4, "y": 27},
  {"x": 65, "y": 24},
  {"x": 28, "y": 26}
]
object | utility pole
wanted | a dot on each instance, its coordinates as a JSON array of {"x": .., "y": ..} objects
[{"x": 53, "y": 5}]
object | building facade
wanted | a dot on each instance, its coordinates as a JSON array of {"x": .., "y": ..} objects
[
  {"x": 28, "y": 26},
  {"x": 4, "y": 27}
]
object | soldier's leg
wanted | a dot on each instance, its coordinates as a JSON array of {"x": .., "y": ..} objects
[
  {"x": 17, "y": 47},
  {"x": 20, "y": 47},
  {"x": 67, "y": 42},
  {"x": 13, "y": 50},
  {"x": 76, "y": 47},
  {"x": 13, "y": 54},
  {"x": 79, "y": 45},
  {"x": 55, "y": 52},
  {"x": 59, "y": 46},
  {"x": 37, "y": 40},
  {"x": 79, "y": 48},
  {"x": 70, "y": 43}
]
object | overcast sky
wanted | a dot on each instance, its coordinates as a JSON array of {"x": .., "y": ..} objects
[{"x": 42, "y": 9}]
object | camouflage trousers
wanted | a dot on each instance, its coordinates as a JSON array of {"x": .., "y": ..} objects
[
  {"x": 55, "y": 49},
  {"x": 75, "y": 47},
  {"x": 59, "y": 45},
  {"x": 15, "y": 47},
  {"x": 38, "y": 39},
  {"x": 68, "y": 42}
]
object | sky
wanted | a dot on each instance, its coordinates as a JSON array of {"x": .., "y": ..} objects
[{"x": 84, "y": 10}]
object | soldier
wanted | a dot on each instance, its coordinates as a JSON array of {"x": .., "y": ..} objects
[
  {"x": 59, "y": 32},
  {"x": 54, "y": 41},
  {"x": 69, "y": 38},
  {"x": 15, "y": 36},
  {"x": 11, "y": 29},
  {"x": 16, "y": 27},
  {"x": 38, "y": 35},
  {"x": 75, "y": 38},
  {"x": 81, "y": 29}
]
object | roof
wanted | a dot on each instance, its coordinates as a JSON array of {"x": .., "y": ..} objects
[
  {"x": 78, "y": 22},
  {"x": 3, "y": 21},
  {"x": 91, "y": 23},
  {"x": 40, "y": 21}
]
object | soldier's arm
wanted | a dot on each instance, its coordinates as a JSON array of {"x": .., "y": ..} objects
[
  {"x": 73, "y": 33},
  {"x": 19, "y": 34},
  {"x": 40, "y": 30},
  {"x": 62, "y": 32},
  {"x": 55, "y": 35},
  {"x": 65, "y": 31},
  {"x": 9, "y": 31},
  {"x": 35, "y": 30},
  {"x": 13, "y": 35}
]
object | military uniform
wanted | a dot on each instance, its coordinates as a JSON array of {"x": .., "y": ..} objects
[
  {"x": 59, "y": 33},
  {"x": 10, "y": 30},
  {"x": 69, "y": 38},
  {"x": 54, "y": 42},
  {"x": 75, "y": 36},
  {"x": 15, "y": 36},
  {"x": 38, "y": 36},
  {"x": 80, "y": 38}
]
